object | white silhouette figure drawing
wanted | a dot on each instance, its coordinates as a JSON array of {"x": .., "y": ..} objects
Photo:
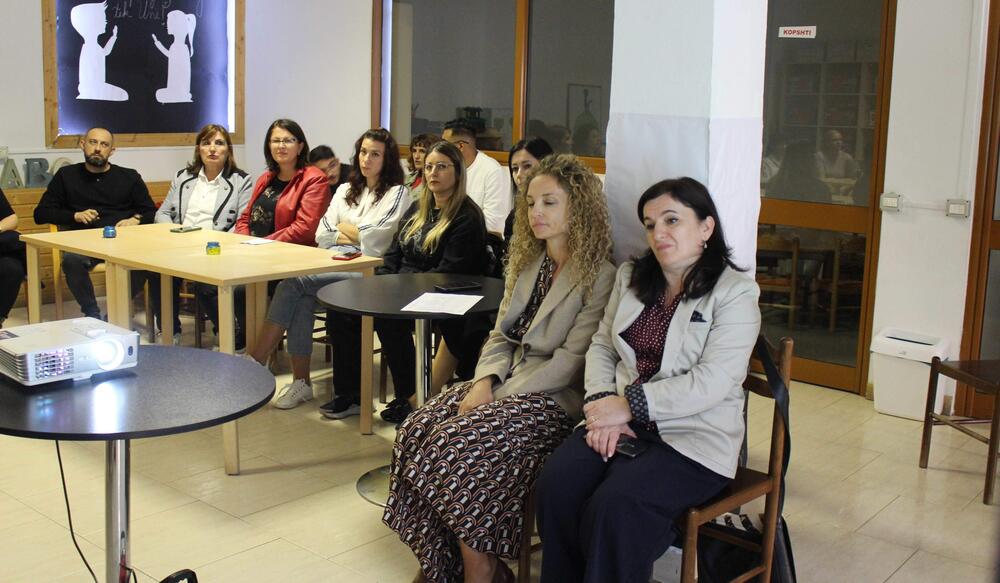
[
  {"x": 90, "y": 22},
  {"x": 181, "y": 27}
]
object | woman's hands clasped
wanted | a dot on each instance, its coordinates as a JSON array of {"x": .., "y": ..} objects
[
  {"x": 480, "y": 394},
  {"x": 607, "y": 419}
]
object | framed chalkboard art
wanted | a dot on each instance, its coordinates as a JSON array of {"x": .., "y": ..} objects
[{"x": 151, "y": 71}]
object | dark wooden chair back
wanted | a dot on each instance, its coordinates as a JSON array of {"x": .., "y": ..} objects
[{"x": 748, "y": 485}]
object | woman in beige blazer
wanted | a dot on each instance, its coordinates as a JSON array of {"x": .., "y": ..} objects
[
  {"x": 664, "y": 400},
  {"x": 463, "y": 465}
]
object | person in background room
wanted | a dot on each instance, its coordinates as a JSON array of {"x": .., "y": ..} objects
[
  {"x": 464, "y": 464},
  {"x": 665, "y": 369},
  {"x": 418, "y": 150}
]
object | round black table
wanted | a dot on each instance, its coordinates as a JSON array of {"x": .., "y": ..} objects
[
  {"x": 170, "y": 390},
  {"x": 385, "y": 296}
]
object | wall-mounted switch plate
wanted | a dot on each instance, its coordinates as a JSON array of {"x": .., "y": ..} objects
[
  {"x": 957, "y": 207},
  {"x": 890, "y": 202}
]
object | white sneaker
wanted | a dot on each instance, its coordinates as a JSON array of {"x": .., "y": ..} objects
[{"x": 293, "y": 394}]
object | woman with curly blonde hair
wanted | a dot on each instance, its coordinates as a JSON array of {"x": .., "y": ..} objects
[{"x": 463, "y": 465}]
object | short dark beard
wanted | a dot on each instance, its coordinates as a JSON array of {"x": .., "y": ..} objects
[{"x": 97, "y": 161}]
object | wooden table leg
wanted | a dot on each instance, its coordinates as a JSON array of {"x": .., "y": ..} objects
[
  {"x": 34, "y": 285},
  {"x": 118, "y": 295},
  {"x": 227, "y": 344},
  {"x": 256, "y": 310},
  {"x": 989, "y": 494},
  {"x": 167, "y": 309},
  {"x": 925, "y": 441},
  {"x": 367, "y": 363}
]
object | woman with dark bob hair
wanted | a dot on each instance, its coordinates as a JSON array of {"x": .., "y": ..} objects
[
  {"x": 287, "y": 203},
  {"x": 463, "y": 465},
  {"x": 664, "y": 372},
  {"x": 418, "y": 151},
  {"x": 523, "y": 156}
]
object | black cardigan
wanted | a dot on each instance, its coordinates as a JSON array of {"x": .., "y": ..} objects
[{"x": 462, "y": 248}]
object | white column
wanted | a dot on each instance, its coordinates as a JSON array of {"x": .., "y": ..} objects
[{"x": 687, "y": 87}]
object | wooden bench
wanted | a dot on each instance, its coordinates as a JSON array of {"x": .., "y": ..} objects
[{"x": 24, "y": 201}]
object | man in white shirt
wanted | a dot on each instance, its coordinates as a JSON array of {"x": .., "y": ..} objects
[{"x": 487, "y": 182}]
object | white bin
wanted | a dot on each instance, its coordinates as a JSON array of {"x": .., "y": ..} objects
[{"x": 901, "y": 371}]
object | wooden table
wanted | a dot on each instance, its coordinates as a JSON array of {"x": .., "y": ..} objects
[
  {"x": 155, "y": 248},
  {"x": 984, "y": 377}
]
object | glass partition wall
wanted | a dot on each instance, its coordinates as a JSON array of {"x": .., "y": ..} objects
[{"x": 818, "y": 182}]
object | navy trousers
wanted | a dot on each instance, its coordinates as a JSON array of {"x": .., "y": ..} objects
[{"x": 609, "y": 521}]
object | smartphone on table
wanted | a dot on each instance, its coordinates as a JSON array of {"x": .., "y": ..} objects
[
  {"x": 457, "y": 286},
  {"x": 186, "y": 229},
  {"x": 345, "y": 252}
]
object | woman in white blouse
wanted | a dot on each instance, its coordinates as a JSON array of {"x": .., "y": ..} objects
[
  {"x": 365, "y": 212},
  {"x": 209, "y": 193}
]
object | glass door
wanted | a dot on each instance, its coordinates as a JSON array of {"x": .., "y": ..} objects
[
  {"x": 820, "y": 175},
  {"x": 981, "y": 337}
]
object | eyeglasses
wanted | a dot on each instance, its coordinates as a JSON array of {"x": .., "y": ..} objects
[
  {"x": 461, "y": 143},
  {"x": 283, "y": 141},
  {"x": 440, "y": 167}
]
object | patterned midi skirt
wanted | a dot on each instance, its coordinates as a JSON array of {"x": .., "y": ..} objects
[{"x": 468, "y": 477}]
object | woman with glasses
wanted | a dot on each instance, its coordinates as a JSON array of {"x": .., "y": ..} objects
[
  {"x": 365, "y": 213},
  {"x": 444, "y": 232},
  {"x": 463, "y": 465},
  {"x": 287, "y": 203}
]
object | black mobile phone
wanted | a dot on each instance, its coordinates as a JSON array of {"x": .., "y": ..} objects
[
  {"x": 184, "y": 229},
  {"x": 630, "y": 447},
  {"x": 457, "y": 286}
]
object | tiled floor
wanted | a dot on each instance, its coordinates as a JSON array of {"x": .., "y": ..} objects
[{"x": 858, "y": 507}]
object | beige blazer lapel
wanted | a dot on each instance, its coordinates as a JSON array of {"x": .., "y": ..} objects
[
  {"x": 561, "y": 288},
  {"x": 629, "y": 308},
  {"x": 520, "y": 295},
  {"x": 676, "y": 333}
]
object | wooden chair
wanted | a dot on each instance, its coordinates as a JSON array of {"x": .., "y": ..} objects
[
  {"x": 748, "y": 485},
  {"x": 849, "y": 252},
  {"x": 777, "y": 248},
  {"x": 527, "y": 537},
  {"x": 57, "y": 281}
]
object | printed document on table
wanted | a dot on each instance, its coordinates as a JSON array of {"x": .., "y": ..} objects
[
  {"x": 258, "y": 241},
  {"x": 457, "y": 304}
]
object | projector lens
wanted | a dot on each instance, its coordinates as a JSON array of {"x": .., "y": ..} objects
[{"x": 109, "y": 353}]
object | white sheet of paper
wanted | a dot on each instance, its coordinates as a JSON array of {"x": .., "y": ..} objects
[
  {"x": 260, "y": 241},
  {"x": 457, "y": 304}
]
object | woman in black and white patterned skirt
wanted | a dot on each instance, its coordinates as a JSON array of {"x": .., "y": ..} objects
[{"x": 464, "y": 464}]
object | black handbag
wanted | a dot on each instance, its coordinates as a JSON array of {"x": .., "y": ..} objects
[{"x": 720, "y": 561}]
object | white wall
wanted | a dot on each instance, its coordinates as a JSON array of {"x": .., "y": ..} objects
[
  {"x": 308, "y": 60},
  {"x": 931, "y": 155},
  {"x": 305, "y": 59}
]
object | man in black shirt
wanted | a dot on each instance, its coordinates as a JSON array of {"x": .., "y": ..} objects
[{"x": 90, "y": 195}]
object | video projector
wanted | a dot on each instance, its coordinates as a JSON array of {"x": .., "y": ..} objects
[{"x": 66, "y": 349}]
